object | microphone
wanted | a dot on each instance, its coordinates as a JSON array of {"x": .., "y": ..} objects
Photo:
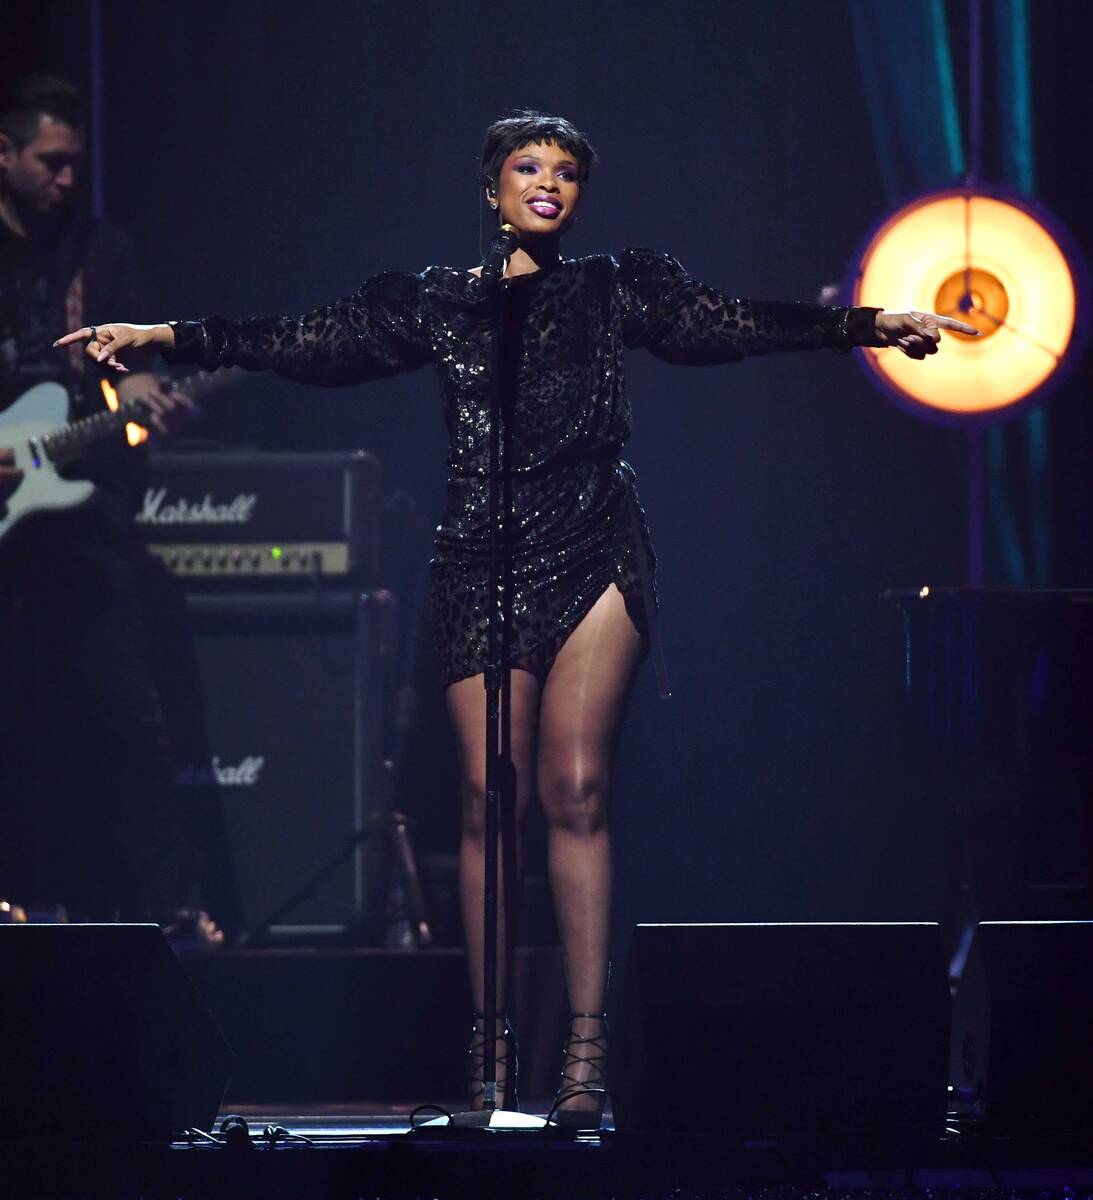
[{"x": 505, "y": 241}]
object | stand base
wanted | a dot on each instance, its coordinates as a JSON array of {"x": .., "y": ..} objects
[{"x": 498, "y": 1119}]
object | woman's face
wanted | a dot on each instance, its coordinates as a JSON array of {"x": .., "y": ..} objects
[{"x": 538, "y": 189}]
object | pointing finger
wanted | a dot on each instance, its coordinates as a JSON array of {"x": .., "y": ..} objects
[
  {"x": 77, "y": 335},
  {"x": 959, "y": 326}
]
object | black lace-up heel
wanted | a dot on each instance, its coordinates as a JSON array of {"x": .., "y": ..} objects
[
  {"x": 507, "y": 1064},
  {"x": 579, "y": 1051}
]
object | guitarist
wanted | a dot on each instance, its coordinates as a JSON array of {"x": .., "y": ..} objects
[{"x": 87, "y": 812}]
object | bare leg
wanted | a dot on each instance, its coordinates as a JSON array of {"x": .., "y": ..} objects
[
  {"x": 580, "y": 714},
  {"x": 467, "y": 709}
]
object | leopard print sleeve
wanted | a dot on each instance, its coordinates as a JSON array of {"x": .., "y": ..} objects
[
  {"x": 376, "y": 332},
  {"x": 683, "y": 321}
]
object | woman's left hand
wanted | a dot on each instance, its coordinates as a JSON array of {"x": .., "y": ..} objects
[{"x": 917, "y": 333}]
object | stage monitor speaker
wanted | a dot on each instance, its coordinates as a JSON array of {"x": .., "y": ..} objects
[
  {"x": 103, "y": 1037},
  {"x": 769, "y": 1030},
  {"x": 291, "y": 691},
  {"x": 1022, "y": 1045}
]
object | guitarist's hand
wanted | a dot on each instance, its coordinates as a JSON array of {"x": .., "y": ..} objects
[
  {"x": 168, "y": 410},
  {"x": 10, "y": 478},
  {"x": 106, "y": 342}
]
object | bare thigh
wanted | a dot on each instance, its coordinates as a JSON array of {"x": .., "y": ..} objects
[{"x": 583, "y": 701}]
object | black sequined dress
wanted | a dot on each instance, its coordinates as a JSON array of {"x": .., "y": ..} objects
[{"x": 575, "y": 525}]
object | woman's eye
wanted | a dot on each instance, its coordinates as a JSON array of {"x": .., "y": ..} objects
[{"x": 525, "y": 167}]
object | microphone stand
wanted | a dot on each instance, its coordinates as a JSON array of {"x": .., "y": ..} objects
[
  {"x": 500, "y": 774},
  {"x": 498, "y": 765}
]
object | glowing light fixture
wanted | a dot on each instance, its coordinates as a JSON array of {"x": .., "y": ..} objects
[{"x": 993, "y": 261}]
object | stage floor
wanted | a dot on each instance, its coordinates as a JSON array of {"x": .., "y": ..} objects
[
  {"x": 364, "y": 1120},
  {"x": 366, "y": 1152}
]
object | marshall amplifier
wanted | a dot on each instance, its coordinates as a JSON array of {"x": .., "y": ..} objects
[
  {"x": 219, "y": 518},
  {"x": 279, "y": 744}
]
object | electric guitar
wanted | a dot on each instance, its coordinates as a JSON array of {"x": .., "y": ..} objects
[{"x": 37, "y": 428}]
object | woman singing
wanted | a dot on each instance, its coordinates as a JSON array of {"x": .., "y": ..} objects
[{"x": 582, "y": 599}]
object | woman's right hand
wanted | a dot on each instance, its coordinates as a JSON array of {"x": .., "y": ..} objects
[{"x": 106, "y": 342}]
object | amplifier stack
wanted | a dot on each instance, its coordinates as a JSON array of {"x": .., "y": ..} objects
[{"x": 277, "y": 696}]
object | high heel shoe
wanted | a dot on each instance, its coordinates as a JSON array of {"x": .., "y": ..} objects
[
  {"x": 590, "y": 1078},
  {"x": 507, "y": 1064}
]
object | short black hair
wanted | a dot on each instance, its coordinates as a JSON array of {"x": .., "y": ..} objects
[
  {"x": 25, "y": 100},
  {"x": 526, "y": 126}
]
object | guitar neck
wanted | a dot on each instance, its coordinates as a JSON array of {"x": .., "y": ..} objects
[{"x": 71, "y": 440}]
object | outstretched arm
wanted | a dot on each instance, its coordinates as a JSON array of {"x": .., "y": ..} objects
[
  {"x": 683, "y": 321},
  {"x": 376, "y": 332}
]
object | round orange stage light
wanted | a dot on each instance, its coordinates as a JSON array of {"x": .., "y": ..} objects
[{"x": 993, "y": 261}]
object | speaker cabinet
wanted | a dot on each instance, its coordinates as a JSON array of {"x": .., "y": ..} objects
[
  {"x": 289, "y": 692},
  {"x": 783, "y": 1029},
  {"x": 103, "y": 1036},
  {"x": 1022, "y": 1044}
]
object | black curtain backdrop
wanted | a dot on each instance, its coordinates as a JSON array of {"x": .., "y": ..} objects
[{"x": 268, "y": 157}]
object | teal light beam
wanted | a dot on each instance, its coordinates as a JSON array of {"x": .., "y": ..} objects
[
  {"x": 907, "y": 75},
  {"x": 943, "y": 66},
  {"x": 1014, "y": 85}
]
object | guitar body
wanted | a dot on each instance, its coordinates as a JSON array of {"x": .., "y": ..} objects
[
  {"x": 40, "y": 411},
  {"x": 37, "y": 428}
]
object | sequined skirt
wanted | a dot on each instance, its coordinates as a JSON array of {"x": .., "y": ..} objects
[{"x": 572, "y": 531}]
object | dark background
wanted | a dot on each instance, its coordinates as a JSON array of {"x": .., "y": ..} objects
[{"x": 268, "y": 157}]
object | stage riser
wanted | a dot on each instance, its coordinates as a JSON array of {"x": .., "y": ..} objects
[
  {"x": 103, "y": 1034},
  {"x": 1022, "y": 1037},
  {"x": 783, "y": 1029}
]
